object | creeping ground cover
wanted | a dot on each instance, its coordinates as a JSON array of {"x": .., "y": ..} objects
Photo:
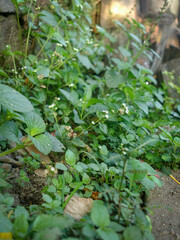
[{"x": 103, "y": 118}]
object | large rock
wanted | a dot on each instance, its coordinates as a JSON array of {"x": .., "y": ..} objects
[
  {"x": 172, "y": 66},
  {"x": 8, "y": 34},
  {"x": 6, "y": 6}
]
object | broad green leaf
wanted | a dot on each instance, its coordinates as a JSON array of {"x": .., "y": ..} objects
[
  {"x": 107, "y": 234},
  {"x": 113, "y": 79},
  {"x": 100, "y": 215},
  {"x": 34, "y": 123},
  {"x": 9, "y": 130},
  {"x": 156, "y": 180},
  {"x": 57, "y": 146},
  {"x": 5, "y": 224},
  {"x": 84, "y": 61},
  {"x": 135, "y": 170},
  {"x": 132, "y": 233},
  {"x": 60, "y": 166},
  {"x": 13, "y": 100},
  {"x": 46, "y": 234},
  {"x": 49, "y": 18},
  {"x": 71, "y": 96},
  {"x": 20, "y": 227},
  {"x": 43, "y": 143},
  {"x": 148, "y": 183},
  {"x": 45, "y": 221},
  {"x": 43, "y": 70},
  {"x": 104, "y": 150},
  {"x": 70, "y": 157},
  {"x": 142, "y": 105},
  {"x": 134, "y": 37}
]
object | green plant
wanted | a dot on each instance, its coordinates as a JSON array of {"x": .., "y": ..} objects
[{"x": 107, "y": 113}]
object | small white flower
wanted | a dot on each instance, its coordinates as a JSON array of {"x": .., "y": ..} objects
[
  {"x": 112, "y": 111},
  {"x": 121, "y": 111},
  {"x": 107, "y": 116},
  {"x": 59, "y": 44},
  {"x": 127, "y": 111},
  {"x": 58, "y": 98},
  {"x": 66, "y": 41},
  {"x": 46, "y": 60},
  {"x": 13, "y": 70},
  {"x": 124, "y": 153},
  {"x": 75, "y": 49},
  {"x": 71, "y": 85},
  {"x": 80, "y": 99},
  {"x": 124, "y": 105},
  {"x": 52, "y": 169},
  {"x": 105, "y": 111},
  {"x": 93, "y": 122},
  {"x": 35, "y": 70},
  {"x": 147, "y": 83},
  {"x": 52, "y": 105}
]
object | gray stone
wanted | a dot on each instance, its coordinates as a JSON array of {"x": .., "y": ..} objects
[
  {"x": 9, "y": 33},
  {"x": 6, "y": 6}
]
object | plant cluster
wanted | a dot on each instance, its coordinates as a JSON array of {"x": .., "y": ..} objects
[{"x": 106, "y": 118}]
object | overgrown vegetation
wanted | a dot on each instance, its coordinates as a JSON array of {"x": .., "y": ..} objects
[{"x": 106, "y": 118}]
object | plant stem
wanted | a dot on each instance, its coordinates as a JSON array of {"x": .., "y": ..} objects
[
  {"x": 72, "y": 193},
  {"x": 14, "y": 149}
]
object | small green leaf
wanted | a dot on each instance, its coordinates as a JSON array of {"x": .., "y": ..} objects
[
  {"x": 125, "y": 52},
  {"x": 99, "y": 214},
  {"x": 103, "y": 128},
  {"x": 43, "y": 143},
  {"x": 70, "y": 157},
  {"x": 103, "y": 150},
  {"x": 177, "y": 141},
  {"x": 77, "y": 118},
  {"x": 68, "y": 177},
  {"x": 142, "y": 105},
  {"x": 78, "y": 142},
  {"x": 107, "y": 234},
  {"x": 61, "y": 166},
  {"x": 86, "y": 179},
  {"x": 165, "y": 135},
  {"x": 84, "y": 61},
  {"x": 34, "y": 123},
  {"x": 13, "y": 100},
  {"x": 49, "y": 18},
  {"x": 47, "y": 198}
]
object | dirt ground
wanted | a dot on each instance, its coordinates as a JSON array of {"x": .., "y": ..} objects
[{"x": 165, "y": 203}]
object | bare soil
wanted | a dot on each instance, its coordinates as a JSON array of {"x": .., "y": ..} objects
[{"x": 165, "y": 203}]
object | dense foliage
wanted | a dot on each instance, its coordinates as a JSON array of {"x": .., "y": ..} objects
[{"x": 110, "y": 125}]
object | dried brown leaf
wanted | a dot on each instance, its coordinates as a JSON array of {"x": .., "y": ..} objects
[{"x": 77, "y": 207}]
